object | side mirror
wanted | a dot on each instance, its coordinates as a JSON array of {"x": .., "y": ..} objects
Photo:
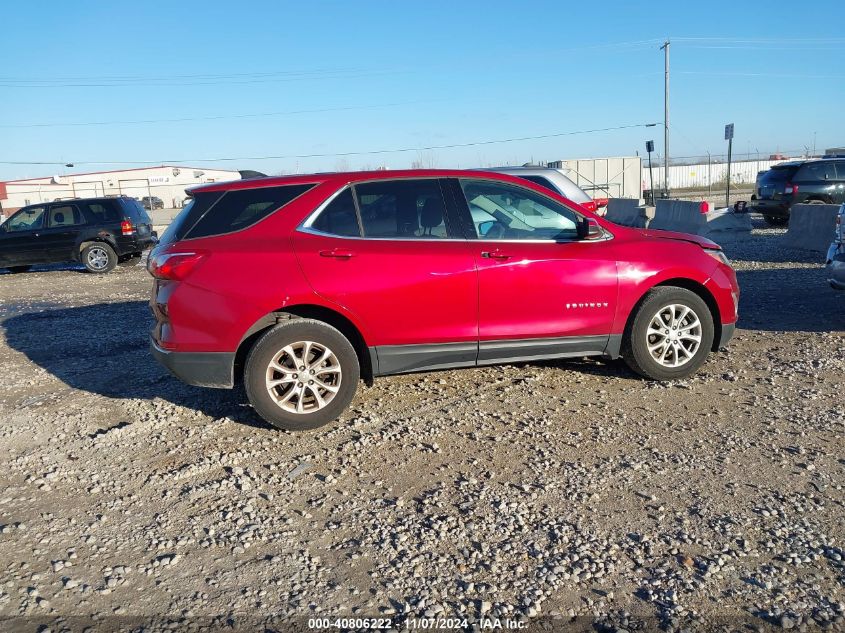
[
  {"x": 589, "y": 229},
  {"x": 484, "y": 227}
]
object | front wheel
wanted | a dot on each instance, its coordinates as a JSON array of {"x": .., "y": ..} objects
[
  {"x": 301, "y": 374},
  {"x": 670, "y": 335},
  {"x": 99, "y": 258}
]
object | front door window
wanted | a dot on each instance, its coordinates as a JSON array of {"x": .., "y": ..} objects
[
  {"x": 27, "y": 220},
  {"x": 502, "y": 211}
]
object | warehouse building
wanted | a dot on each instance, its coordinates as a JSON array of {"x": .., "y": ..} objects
[{"x": 167, "y": 182}]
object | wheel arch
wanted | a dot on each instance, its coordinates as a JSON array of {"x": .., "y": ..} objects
[
  {"x": 693, "y": 286},
  {"x": 92, "y": 239},
  {"x": 325, "y": 314}
]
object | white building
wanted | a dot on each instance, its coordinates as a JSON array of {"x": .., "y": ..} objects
[
  {"x": 167, "y": 182},
  {"x": 617, "y": 177}
]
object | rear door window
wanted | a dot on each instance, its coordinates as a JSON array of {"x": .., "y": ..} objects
[
  {"x": 402, "y": 209},
  {"x": 64, "y": 215},
  {"x": 822, "y": 170},
  {"x": 241, "y": 208}
]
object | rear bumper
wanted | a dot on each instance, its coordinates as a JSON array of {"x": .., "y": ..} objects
[
  {"x": 728, "y": 330},
  {"x": 135, "y": 244},
  {"x": 773, "y": 208},
  {"x": 201, "y": 369}
]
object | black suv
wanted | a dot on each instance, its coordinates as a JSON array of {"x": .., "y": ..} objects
[
  {"x": 151, "y": 203},
  {"x": 98, "y": 232},
  {"x": 819, "y": 181}
]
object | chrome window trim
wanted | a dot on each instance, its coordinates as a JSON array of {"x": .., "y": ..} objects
[{"x": 306, "y": 225}]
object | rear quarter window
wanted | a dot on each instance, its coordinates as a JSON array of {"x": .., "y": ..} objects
[
  {"x": 103, "y": 211},
  {"x": 135, "y": 211},
  {"x": 241, "y": 208}
]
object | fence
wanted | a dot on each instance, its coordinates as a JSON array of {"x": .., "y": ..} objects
[{"x": 705, "y": 175}]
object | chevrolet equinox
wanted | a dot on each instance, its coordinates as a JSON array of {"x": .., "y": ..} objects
[{"x": 302, "y": 285}]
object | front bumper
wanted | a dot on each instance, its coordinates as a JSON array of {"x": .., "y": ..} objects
[{"x": 201, "y": 369}]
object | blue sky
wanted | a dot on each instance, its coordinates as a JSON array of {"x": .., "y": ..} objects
[{"x": 366, "y": 76}]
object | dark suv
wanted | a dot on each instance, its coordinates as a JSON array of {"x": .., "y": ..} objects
[
  {"x": 820, "y": 181},
  {"x": 151, "y": 203},
  {"x": 98, "y": 232}
]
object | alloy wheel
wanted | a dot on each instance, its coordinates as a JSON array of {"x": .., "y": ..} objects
[
  {"x": 98, "y": 258},
  {"x": 674, "y": 335},
  {"x": 303, "y": 377}
]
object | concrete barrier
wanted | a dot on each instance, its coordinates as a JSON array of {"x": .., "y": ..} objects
[
  {"x": 811, "y": 226},
  {"x": 629, "y": 212},
  {"x": 686, "y": 217}
]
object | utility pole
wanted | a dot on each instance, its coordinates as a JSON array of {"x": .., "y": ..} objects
[
  {"x": 665, "y": 49},
  {"x": 729, "y": 137},
  {"x": 649, "y": 147}
]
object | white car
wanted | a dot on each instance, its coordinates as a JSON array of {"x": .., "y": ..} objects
[
  {"x": 835, "y": 259},
  {"x": 555, "y": 180}
]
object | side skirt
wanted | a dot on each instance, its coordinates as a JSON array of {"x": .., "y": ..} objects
[{"x": 399, "y": 359}]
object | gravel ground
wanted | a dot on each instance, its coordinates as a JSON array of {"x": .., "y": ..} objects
[{"x": 549, "y": 493}]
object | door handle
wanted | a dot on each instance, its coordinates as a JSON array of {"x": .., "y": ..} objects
[
  {"x": 497, "y": 254},
  {"x": 337, "y": 254}
]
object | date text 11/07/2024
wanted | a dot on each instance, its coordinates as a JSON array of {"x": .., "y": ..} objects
[{"x": 417, "y": 624}]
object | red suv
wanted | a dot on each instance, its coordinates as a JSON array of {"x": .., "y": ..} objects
[{"x": 302, "y": 285}]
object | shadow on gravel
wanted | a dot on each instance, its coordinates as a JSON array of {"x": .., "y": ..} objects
[
  {"x": 103, "y": 349},
  {"x": 789, "y": 299}
]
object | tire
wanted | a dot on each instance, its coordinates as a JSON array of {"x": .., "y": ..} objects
[
  {"x": 341, "y": 370},
  {"x": 18, "y": 269},
  {"x": 656, "y": 306},
  {"x": 98, "y": 257}
]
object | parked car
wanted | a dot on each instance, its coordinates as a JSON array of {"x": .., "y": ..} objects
[
  {"x": 151, "y": 203},
  {"x": 836, "y": 253},
  {"x": 299, "y": 285},
  {"x": 98, "y": 232},
  {"x": 555, "y": 180},
  {"x": 820, "y": 181}
]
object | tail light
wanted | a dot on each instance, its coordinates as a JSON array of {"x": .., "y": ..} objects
[
  {"x": 790, "y": 188},
  {"x": 173, "y": 266},
  {"x": 590, "y": 205},
  {"x": 601, "y": 202},
  {"x": 126, "y": 228}
]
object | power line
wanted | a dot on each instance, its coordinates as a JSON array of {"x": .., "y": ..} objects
[
  {"x": 266, "y": 77},
  {"x": 333, "y": 154},
  {"x": 219, "y": 117},
  {"x": 700, "y": 157}
]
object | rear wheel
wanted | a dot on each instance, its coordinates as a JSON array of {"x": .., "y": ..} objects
[
  {"x": 18, "y": 269},
  {"x": 99, "y": 257},
  {"x": 301, "y": 374},
  {"x": 670, "y": 335}
]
